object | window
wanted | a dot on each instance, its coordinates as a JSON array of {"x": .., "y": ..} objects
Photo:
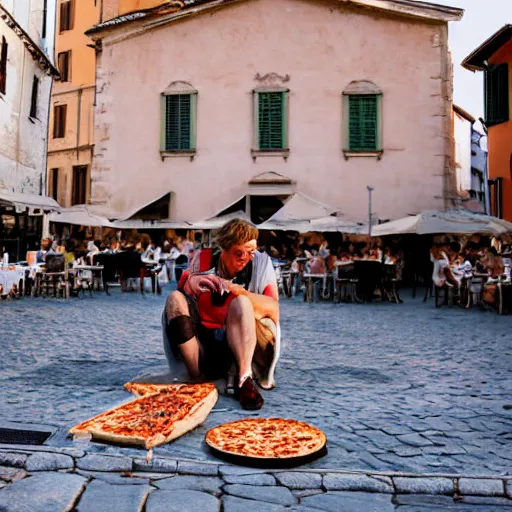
[
  {"x": 496, "y": 95},
  {"x": 271, "y": 119},
  {"x": 64, "y": 64},
  {"x": 79, "y": 185},
  {"x": 178, "y": 122},
  {"x": 362, "y": 116},
  {"x": 54, "y": 183},
  {"x": 59, "y": 121},
  {"x": 3, "y": 66},
  {"x": 67, "y": 15},
  {"x": 33, "y": 101},
  {"x": 362, "y": 123}
]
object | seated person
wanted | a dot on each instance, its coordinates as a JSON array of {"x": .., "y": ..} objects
[
  {"x": 496, "y": 269},
  {"x": 316, "y": 264},
  {"x": 207, "y": 334},
  {"x": 441, "y": 274},
  {"x": 46, "y": 247}
]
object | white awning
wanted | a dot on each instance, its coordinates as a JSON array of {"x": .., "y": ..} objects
[
  {"x": 35, "y": 204},
  {"x": 150, "y": 224},
  {"x": 218, "y": 222},
  {"x": 80, "y": 215},
  {"x": 141, "y": 207},
  {"x": 299, "y": 207},
  {"x": 329, "y": 224},
  {"x": 458, "y": 221}
]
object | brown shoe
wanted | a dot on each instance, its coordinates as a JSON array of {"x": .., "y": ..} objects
[{"x": 249, "y": 396}]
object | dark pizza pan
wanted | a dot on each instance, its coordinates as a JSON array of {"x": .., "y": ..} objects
[{"x": 266, "y": 462}]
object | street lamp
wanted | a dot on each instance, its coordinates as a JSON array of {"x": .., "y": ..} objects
[{"x": 370, "y": 190}]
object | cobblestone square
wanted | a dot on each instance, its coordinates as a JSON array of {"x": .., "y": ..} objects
[{"x": 395, "y": 387}]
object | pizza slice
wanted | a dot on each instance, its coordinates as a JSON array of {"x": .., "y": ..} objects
[{"x": 153, "y": 419}]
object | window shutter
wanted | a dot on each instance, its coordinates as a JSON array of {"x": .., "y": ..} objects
[
  {"x": 33, "y": 103},
  {"x": 59, "y": 121},
  {"x": 71, "y": 14},
  {"x": 271, "y": 123},
  {"x": 55, "y": 183},
  {"x": 64, "y": 17},
  {"x": 496, "y": 95},
  {"x": 362, "y": 124},
  {"x": 178, "y": 120},
  {"x": 64, "y": 64},
  {"x": 3, "y": 66}
]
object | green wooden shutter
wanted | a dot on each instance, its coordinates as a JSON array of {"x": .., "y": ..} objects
[
  {"x": 178, "y": 122},
  {"x": 362, "y": 122},
  {"x": 496, "y": 95},
  {"x": 271, "y": 122}
]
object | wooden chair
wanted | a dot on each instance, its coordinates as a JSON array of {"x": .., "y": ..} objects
[
  {"x": 346, "y": 284},
  {"x": 391, "y": 278},
  {"x": 55, "y": 276}
]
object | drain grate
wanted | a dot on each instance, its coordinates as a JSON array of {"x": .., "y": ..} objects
[{"x": 19, "y": 436}]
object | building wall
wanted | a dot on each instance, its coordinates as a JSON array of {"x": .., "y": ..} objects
[
  {"x": 75, "y": 148},
  {"x": 23, "y": 140},
  {"x": 322, "y": 47},
  {"x": 500, "y": 139}
]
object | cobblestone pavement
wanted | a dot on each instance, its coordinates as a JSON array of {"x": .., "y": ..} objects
[
  {"x": 46, "y": 479},
  {"x": 395, "y": 387}
]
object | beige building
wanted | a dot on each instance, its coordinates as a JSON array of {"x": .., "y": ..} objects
[
  {"x": 326, "y": 97},
  {"x": 71, "y": 137}
]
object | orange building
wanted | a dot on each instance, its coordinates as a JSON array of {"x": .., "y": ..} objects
[
  {"x": 494, "y": 58},
  {"x": 70, "y": 141}
]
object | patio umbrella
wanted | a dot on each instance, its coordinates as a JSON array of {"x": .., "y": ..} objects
[
  {"x": 330, "y": 224},
  {"x": 457, "y": 221}
]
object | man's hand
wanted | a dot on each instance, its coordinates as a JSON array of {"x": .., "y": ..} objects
[{"x": 199, "y": 283}]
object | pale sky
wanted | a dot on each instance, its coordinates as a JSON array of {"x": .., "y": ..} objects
[{"x": 481, "y": 19}]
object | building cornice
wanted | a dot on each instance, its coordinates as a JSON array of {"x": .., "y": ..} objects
[
  {"x": 141, "y": 21},
  {"x": 476, "y": 61},
  {"x": 35, "y": 51}
]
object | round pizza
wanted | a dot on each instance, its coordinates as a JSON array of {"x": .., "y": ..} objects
[{"x": 267, "y": 438}]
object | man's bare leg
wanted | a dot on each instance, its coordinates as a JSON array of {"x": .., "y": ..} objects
[
  {"x": 241, "y": 334},
  {"x": 177, "y": 305}
]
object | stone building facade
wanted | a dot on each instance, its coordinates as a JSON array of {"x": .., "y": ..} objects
[
  {"x": 198, "y": 101},
  {"x": 26, "y": 34}
]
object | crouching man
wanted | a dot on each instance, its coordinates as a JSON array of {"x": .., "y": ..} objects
[{"x": 225, "y": 315}]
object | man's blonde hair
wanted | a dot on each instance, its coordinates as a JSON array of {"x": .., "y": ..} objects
[{"x": 236, "y": 232}]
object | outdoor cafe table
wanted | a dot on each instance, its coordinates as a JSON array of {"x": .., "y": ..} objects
[{"x": 96, "y": 271}]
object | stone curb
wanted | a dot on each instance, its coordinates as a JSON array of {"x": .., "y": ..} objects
[{"x": 296, "y": 479}]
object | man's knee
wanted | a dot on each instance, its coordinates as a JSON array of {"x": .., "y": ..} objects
[
  {"x": 240, "y": 307},
  {"x": 176, "y": 304}
]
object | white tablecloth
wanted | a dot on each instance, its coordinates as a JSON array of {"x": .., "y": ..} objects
[{"x": 9, "y": 278}]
